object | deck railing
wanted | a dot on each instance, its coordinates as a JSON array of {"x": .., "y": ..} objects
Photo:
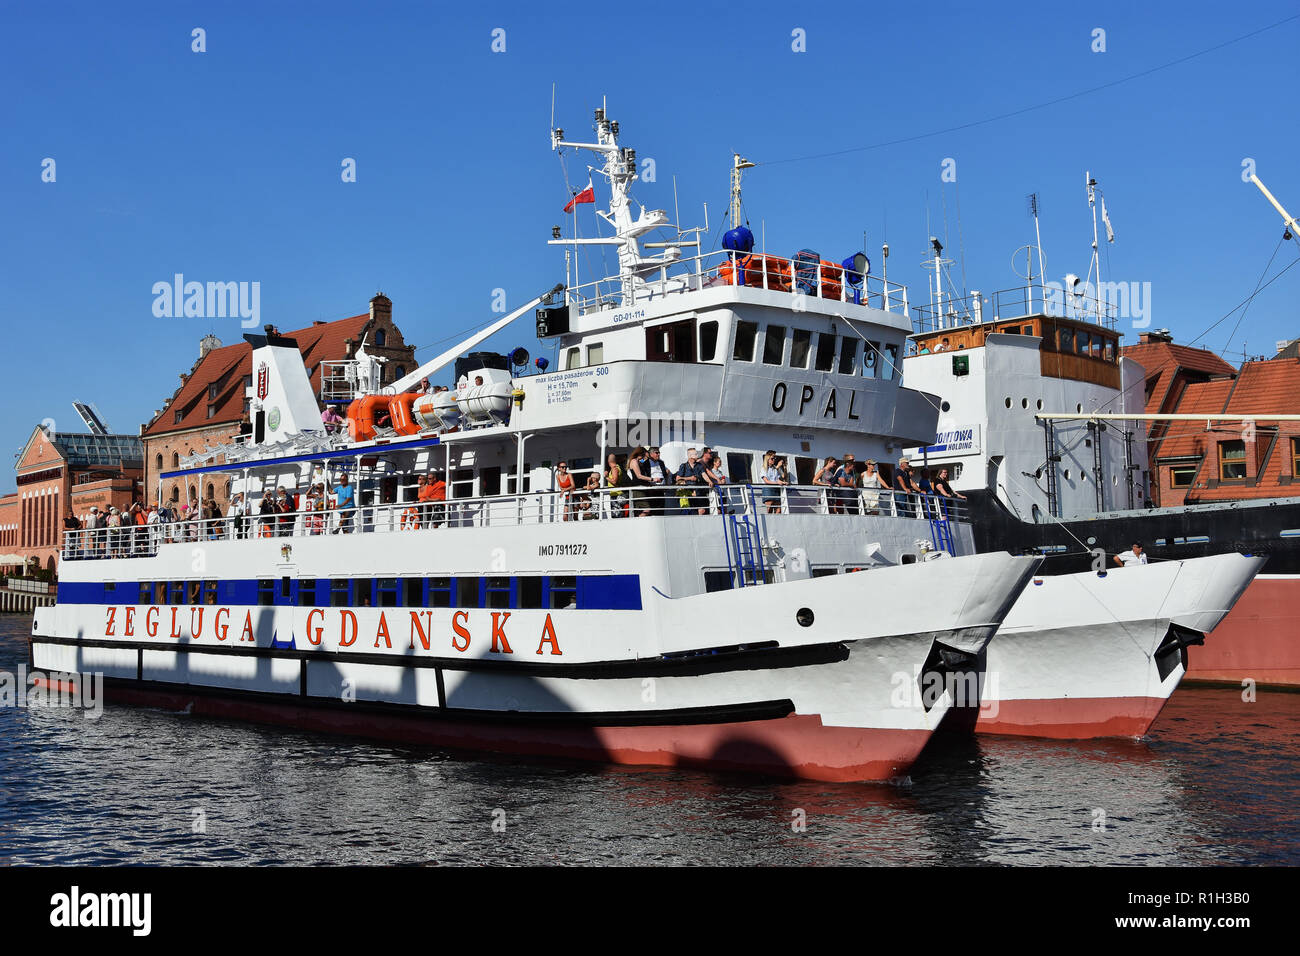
[
  {"x": 533, "y": 508},
  {"x": 756, "y": 270},
  {"x": 1015, "y": 303}
]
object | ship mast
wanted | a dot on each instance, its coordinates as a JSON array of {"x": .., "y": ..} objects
[{"x": 737, "y": 164}]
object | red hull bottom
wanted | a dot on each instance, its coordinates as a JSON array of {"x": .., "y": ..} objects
[
  {"x": 797, "y": 746},
  {"x": 1078, "y": 718},
  {"x": 1259, "y": 639}
]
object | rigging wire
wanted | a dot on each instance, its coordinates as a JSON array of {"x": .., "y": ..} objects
[{"x": 1036, "y": 106}]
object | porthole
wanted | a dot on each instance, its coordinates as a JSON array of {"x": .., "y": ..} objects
[
  {"x": 1092, "y": 541},
  {"x": 1078, "y": 409},
  {"x": 945, "y": 407},
  {"x": 1008, "y": 403},
  {"x": 1039, "y": 404},
  {"x": 804, "y": 616},
  {"x": 1067, "y": 474},
  {"x": 1024, "y": 403}
]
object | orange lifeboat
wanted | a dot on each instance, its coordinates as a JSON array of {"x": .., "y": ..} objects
[
  {"x": 362, "y": 414},
  {"x": 831, "y": 276},
  {"x": 732, "y": 270},
  {"x": 399, "y": 407}
]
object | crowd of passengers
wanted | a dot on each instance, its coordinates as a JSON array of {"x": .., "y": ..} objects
[{"x": 639, "y": 485}]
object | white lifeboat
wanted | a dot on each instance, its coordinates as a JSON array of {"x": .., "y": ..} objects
[
  {"x": 437, "y": 411},
  {"x": 484, "y": 396}
]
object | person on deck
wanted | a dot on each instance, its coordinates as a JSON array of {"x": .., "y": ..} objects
[
  {"x": 437, "y": 492},
  {"x": 1131, "y": 558},
  {"x": 345, "y": 502},
  {"x": 564, "y": 487},
  {"x": 658, "y": 474},
  {"x": 905, "y": 486}
]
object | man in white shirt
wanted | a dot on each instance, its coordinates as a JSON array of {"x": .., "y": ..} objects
[{"x": 1131, "y": 558}]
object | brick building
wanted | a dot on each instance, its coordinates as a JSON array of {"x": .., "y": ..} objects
[
  {"x": 58, "y": 472},
  {"x": 207, "y": 409},
  {"x": 1231, "y": 461}
]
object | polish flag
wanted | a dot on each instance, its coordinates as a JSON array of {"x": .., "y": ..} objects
[{"x": 587, "y": 195}]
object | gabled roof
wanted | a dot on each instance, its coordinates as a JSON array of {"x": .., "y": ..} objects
[
  {"x": 1163, "y": 360},
  {"x": 227, "y": 367}
]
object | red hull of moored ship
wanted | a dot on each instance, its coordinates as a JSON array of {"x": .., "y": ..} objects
[{"x": 1259, "y": 640}]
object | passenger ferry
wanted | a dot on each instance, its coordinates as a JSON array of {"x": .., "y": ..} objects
[{"x": 798, "y": 629}]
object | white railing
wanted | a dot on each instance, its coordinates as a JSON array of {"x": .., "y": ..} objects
[
  {"x": 755, "y": 270},
  {"x": 534, "y": 508}
]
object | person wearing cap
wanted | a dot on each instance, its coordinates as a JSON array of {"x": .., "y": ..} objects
[
  {"x": 905, "y": 487},
  {"x": 846, "y": 480},
  {"x": 345, "y": 502}
]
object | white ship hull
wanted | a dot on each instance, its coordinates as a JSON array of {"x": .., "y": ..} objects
[
  {"x": 1082, "y": 656},
  {"x": 729, "y": 680}
]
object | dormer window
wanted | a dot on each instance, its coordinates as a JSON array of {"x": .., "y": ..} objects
[{"x": 176, "y": 417}]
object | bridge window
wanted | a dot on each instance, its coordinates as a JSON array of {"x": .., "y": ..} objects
[
  {"x": 800, "y": 347},
  {"x": 825, "y": 352},
  {"x": 848, "y": 356},
  {"x": 773, "y": 344},
  {"x": 871, "y": 360},
  {"x": 573, "y": 358},
  {"x": 1065, "y": 340},
  {"x": 890, "y": 367},
  {"x": 708, "y": 340},
  {"x": 596, "y": 353},
  {"x": 1232, "y": 461},
  {"x": 746, "y": 336}
]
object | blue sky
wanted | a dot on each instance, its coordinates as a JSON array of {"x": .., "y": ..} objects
[{"x": 225, "y": 165}]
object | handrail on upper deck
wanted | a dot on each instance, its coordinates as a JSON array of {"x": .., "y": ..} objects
[{"x": 531, "y": 508}]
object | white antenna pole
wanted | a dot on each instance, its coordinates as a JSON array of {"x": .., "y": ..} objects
[
  {"x": 1096, "y": 255},
  {"x": 1038, "y": 238}
]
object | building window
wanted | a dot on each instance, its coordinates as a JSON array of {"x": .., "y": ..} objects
[
  {"x": 212, "y": 411},
  {"x": 176, "y": 417},
  {"x": 380, "y": 337},
  {"x": 159, "y": 460},
  {"x": 212, "y": 392},
  {"x": 1232, "y": 460},
  {"x": 399, "y": 372},
  {"x": 1180, "y": 476},
  {"x": 176, "y": 459},
  {"x": 746, "y": 335},
  {"x": 1295, "y": 457}
]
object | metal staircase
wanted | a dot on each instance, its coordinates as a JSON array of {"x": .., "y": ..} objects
[{"x": 744, "y": 542}]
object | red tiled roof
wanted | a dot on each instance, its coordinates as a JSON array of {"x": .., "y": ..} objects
[
  {"x": 226, "y": 367},
  {"x": 1163, "y": 361},
  {"x": 1261, "y": 388}
]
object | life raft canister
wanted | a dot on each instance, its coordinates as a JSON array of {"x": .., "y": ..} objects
[
  {"x": 831, "y": 276},
  {"x": 777, "y": 269}
]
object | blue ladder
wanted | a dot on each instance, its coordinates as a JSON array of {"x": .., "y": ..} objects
[
  {"x": 744, "y": 544},
  {"x": 940, "y": 526}
]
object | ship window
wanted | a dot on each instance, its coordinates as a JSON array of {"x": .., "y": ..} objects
[
  {"x": 800, "y": 346},
  {"x": 160, "y": 593},
  {"x": 413, "y": 592},
  {"x": 1067, "y": 474},
  {"x": 439, "y": 592},
  {"x": 738, "y": 468},
  {"x": 825, "y": 572},
  {"x": 489, "y": 481},
  {"x": 871, "y": 360},
  {"x": 307, "y": 592},
  {"x": 887, "y": 371},
  {"x": 1065, "y": 340},
  {"x": 573, "y": 357},
  {"x": 467, "y": 592},
  {"x": 1084, "y": 342},
  {"x": 596, "y": 353},
  {"x": 1232, "y": 460},
  {"x": 804, "y": 470},
  {"x": 825, "y": 352},
  {"x": 746, "y": 336},
  {"x": 708, "y": 340},
  {"x": 208, "y": 592},
  {"x": 498, "y": 592},
  {"x": 146, "y": 593},
  {"x": 386, "y": 589},
  {"x": 530, "y": 592},
  {"x": 717, "y": 581},
  {"x": 1180, "y": 476},
  {"x": 340, "y": 592},
  {"x": 564, "y": 591},
  {"x": 462, "y": 483},
  {"x": 848, "y": 356},
  {"x": 773, "y": 344},
  {"x": 265, "y": 592}
]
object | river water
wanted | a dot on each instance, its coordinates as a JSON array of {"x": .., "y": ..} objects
[{"x": 1216, "y": 782}]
